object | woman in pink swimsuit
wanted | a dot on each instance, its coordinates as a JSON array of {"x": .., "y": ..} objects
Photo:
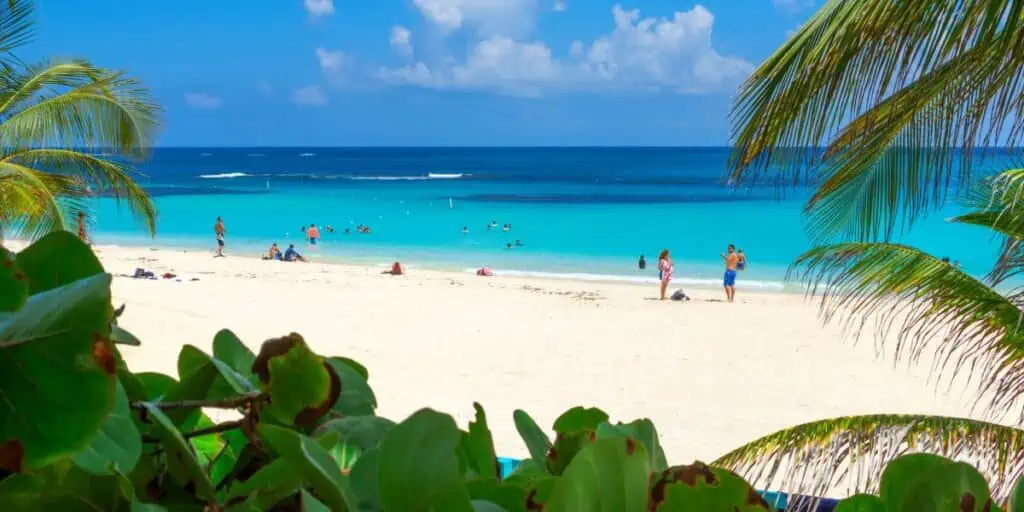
[{"x": 664, "y": 271}]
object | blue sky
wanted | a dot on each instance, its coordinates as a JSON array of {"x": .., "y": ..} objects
[{"x": 429, "y": 72}]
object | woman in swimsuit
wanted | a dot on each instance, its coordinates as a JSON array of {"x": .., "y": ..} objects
[{"x": 664, "y": 271}]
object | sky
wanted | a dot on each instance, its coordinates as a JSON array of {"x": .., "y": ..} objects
[{"x": 428, "y": 72}]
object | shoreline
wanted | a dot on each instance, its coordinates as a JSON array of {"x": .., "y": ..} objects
[{"x": 332, "y": 256}]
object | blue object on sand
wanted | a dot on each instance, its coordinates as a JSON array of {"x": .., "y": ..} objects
[{"x": 779, "y": 500}]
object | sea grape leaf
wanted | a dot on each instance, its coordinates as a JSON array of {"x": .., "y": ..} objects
[
  {"x": 310, "y": 504},
  {"x": 364, "y": 482},
  {"x": 537, "y": 442},
  {"x": 13, "y": 283},
  {"x": 580, "y": 418},
  {"x": 273, "y": 482},
  {"x": 117, "y": 445},
  {"x": 356, "y": 397},
  {"x": 900, "y": 473},
  {"x": 641, "y": 430},
  {"x": 511, "y": 498},
  {"x": 225, "y": 382},
  {"x": 156, "y": 385},
  {"x": 311, "y": 460},
  {"x": 702, "y": 487},
  {"x": 229, "y": 349},
  {"x": 122, "y": 337},
  {"x": 861, "y": 503},
  {"x": 479, "y": 446},
  {"x": 1016, "y": 501},
  {"x": 23, "y": 492},
  {"x": 356, "y": 366},
  {"x": 57, "y": 368},
  {"x": 418, "y": 468},
  {"x": 607, "y": 475},
  {"x": 364, "y": 432},
  {"x": 955, "y": 486},
  {"x": 302, "y": 387},
  {"x": 57, "y": 259},
  {"x": 486, "y": 506},
  {"x": 182, "y": 463},
  {"x": 565, "y": 448}
]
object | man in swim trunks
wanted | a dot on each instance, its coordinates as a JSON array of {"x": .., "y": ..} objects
[
  {"x": 218, "y": 228},
  {"x": 313, "y": 234},
  {"x": 732, "y": 263}
]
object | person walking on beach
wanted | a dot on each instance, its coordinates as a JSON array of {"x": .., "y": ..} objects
[
  {"x": 81, "y": 227},
  {"x": 664, "y": 271},
  {"x": 218, "y": 228},
  {"x": 733, "y": 262}
]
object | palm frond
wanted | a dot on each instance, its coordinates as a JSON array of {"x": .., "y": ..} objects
[
  {"x": 923, "y": 82},
  {"x": 849, "y": 453},
  {"x": 35, "y": 203},
  {"x": 932, "y": 305},
  {"x": 77, "y": 105},
  {"x": 98, "y": 173},
  {"x": 15, "y": 24},
  {"x": 998, "y": 205}
]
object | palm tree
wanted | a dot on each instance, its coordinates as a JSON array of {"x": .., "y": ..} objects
[
  {"x": 56, "y": 121},
  {"x": 906, "y": 100}
]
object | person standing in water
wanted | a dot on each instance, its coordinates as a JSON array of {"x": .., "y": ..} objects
[
  {"x": 664, "y": 271},
  {"x": 313, "y": 234},
  {"x": 733, "y": 262},
  {"x": 642, "y": 264},
  {"x": 218, "y": 228}
]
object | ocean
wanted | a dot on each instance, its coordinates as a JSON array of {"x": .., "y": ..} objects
[{"x": 584, "y": 213}]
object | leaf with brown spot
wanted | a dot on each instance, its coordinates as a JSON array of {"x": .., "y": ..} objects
[
  {"x": 301, "y": 386},
  {"x": 53, "y": 373},
  {"x": 702, "y": 487}
]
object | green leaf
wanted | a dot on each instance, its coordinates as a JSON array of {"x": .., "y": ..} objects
[
  {"x": 123, "y": 337},
  {"x": 509, "y": 497},
  {"x": 565, "y": 449},
  {"x": 312, "y": 461},
  {"x": 608, "y": 475},
  {"x": 364, "y": 481},
  {"x": 954, "y": 486},
  {"x": 1016, "y": 501},
  {"x": 225, "y": 381},
  {"x": 356, "y": 398},
  {"x": 900, "y": 473},
  {"x": 861, "y": 503},
  {"x": 641, "y": 430},
  {"x": 156, "y": 384},
  {"x": 579, "y": 419},
  {"x": 311, "y": 504},
  {"x": 13, "y": 283},
  {"x": 301, "y": 386},
  {"x": 57, "y": 259},
  {"x": 22, "y": 492},
  {"x": 229, "y": 349},
  {"x": 356, "y": 366},
  {"x": 56, "y": 369},
  {"x": 700, "y": 487},
  {"x": 182, "y": 464},
  {"x": 527, "y": 471},
  {"x": 486, "y": 506},
  {"x": 536, "y": 440},
  {"x": 418, "y": 468},
  {"x": 479, "y": 446},
  {"x": 117, "y": 445},
  {"x": 273, "y": 482},
  {"x": 364, "y": 432}
]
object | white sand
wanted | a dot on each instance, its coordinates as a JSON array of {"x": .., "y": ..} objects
[{"x": 711, "y": 375}]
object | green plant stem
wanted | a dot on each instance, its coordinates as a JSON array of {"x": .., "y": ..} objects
[
  {"x": 213, "y": 429},
  {"x": 225, "y": 403}
]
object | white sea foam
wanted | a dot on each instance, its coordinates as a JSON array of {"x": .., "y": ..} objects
[
  {"x": 224, "y": 175},
  {"x": 307, "y": 154},
  {"x": 388, "y": 178},
  {"x": 580, "y": 276},
  {"x": 205, "y": 154},
  {"x": 444, "y": 176}
]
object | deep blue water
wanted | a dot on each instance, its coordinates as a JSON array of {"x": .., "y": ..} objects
[{"x": 579, "y": 211}]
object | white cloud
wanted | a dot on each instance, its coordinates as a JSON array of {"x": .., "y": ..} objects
[
  {"x": 560, "y": 6},
  {"x": 265, "y": 87},
  {"x": 332, "y": 63},
  {"x": 319, "y": 7},
  {"x": 489, "y": 17},
  {"x": 310, "y": 95},
  {"x": 401, "y": 40},
  {"x": 203, "y": 100},
  {"x": 639, "y": 53}
]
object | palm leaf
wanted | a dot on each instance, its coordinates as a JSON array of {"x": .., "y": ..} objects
[
  {"x": 77, "y": 105},
  {"x": 112, "y": 177},
  {"x": 923, "y": 82},
  {"x": 970, "y": 327},
  {"x": 998, "y": 205},
  {"x": 849, "y": 453},
  {"x": 15, "y": 24},
  {"x": 35, "y": 203}
]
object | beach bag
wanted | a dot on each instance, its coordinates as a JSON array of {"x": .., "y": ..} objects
[{"x": 679, "y": 295}]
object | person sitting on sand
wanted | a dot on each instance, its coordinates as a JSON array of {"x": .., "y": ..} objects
[
  {"x": 292, "y": 255},
  {"x": 664, "y": 271},
  {"x": 274, "y": 253},
  {"x": 396, "y": 269}
]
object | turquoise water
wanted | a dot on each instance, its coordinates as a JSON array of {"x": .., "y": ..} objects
[{"x": 579, "y": 212}]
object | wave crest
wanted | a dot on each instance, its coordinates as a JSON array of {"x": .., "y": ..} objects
[{"x": 223, "y": 175}]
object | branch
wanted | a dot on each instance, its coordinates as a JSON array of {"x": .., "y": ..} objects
[
  {"x": 212, "y": 429},
  {"x": 224, "y": 403}
]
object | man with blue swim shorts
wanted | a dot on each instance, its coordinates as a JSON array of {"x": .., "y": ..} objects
[{"x": 734, "y": 261}]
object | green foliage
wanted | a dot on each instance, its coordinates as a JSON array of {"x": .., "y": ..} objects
[{"x": 305, "y": 436}]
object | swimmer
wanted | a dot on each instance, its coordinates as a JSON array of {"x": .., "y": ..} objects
[{"x": 465, "y": 229}]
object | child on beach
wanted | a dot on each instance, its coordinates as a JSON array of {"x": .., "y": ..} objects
[{"x": 664, "y": 271}]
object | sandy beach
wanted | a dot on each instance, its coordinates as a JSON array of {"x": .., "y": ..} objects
[{"x": 712, "y": 375}]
